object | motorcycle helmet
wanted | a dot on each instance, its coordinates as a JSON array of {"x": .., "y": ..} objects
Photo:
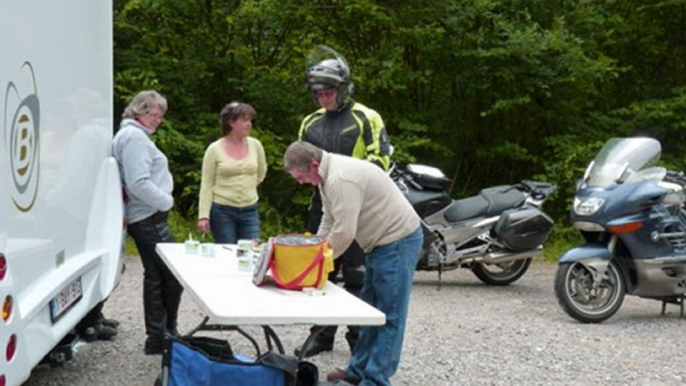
[{"x": 328, "y": 69}]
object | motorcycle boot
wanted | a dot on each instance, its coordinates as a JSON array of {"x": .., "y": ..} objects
[
  {"x": 105, "y": 332},
  {"x": 352, "y": 336},
  {"x": 161, "y": 291},
  {"x": 172, "y": 300},
  {"x": 108, "y": 322},
  {"x": 161, "y": 306},
  {"x": 315, "y": 348},
  {"x": 98, "y": 332},
  {"x": 155, "y": 323},
  {"x": 92, "y": 326},
  {"x": 153, "y": 346}
]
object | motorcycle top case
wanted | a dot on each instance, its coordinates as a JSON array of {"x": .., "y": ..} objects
[
  {"x": 428, "y": 177},
  {"x": 523, "y": 228}
]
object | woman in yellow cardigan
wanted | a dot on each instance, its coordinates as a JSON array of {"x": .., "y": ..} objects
[{"x": 232, "y": 168}]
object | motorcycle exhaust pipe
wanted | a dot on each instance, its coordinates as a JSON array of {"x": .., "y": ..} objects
[{"x": 506, "y": 257}]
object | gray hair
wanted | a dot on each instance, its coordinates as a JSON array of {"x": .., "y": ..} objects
[
  {"x": 143, "y": 102},
  {"x": 300, "y": 155}
]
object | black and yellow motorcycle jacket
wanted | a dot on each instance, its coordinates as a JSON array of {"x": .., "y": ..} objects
[{"x": 353, "y": 130}]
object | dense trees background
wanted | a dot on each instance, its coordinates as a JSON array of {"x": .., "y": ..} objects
[{"x": 489, "y": 91}]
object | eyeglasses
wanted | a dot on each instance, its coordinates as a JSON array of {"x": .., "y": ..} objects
[
  {"x": 327, "y": 92},
  {"x": 155, "y": 115}
]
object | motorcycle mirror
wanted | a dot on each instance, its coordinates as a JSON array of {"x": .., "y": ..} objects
[
  {"x": 587, "y": 172},
  {"x": 391, "y": 169},
  {"x": 625, "y": 173}
]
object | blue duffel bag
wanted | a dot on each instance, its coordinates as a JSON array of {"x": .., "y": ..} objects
[{"x": 205, "y": 361}]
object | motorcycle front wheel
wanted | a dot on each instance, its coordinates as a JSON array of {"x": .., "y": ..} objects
[
  {"x": 503, "y": 273},
  {"x": 584, "y": 300}
]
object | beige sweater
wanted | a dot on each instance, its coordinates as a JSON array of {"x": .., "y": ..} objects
[
  {"x": 229, "y": 181},
  {"x": 361, "y": 202}
]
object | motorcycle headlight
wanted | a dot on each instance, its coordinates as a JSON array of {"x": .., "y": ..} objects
[{"x": 587, "y": 206}]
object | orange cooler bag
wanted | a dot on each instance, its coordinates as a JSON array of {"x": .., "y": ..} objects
[{"x": 299, "y": 261}]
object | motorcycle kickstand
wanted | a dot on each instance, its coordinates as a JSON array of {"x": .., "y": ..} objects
[
  {"x": 440, "y": 276},
  {"x": 677, "y": 300}
]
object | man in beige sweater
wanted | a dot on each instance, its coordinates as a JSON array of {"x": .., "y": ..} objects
[{"x": 362, "y": 203}]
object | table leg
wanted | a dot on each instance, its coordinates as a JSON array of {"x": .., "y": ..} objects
[
  {"x": 199, "y": 327},
  {"x": 313, "y": 335},
  {"x": 250, "y": 338},
  {"x": 269, "y": 335}
]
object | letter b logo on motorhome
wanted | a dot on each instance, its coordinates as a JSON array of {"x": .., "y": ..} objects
[{"x": 21, "y": 130}]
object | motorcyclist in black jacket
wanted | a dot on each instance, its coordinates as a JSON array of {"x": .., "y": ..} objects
[{"x": 343, "y": 126}]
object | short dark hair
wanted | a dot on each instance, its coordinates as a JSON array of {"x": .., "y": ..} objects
[{"x": 233, "y": 111}]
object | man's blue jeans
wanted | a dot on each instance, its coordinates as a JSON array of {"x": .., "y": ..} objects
[
  {"x": 229, "y": 224},
  {"x": 387, "y": 286}
]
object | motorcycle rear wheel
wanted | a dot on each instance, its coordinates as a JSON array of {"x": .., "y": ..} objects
[
  {"x": 501, "y": 274},
  {"x": 577, "y": 297}
]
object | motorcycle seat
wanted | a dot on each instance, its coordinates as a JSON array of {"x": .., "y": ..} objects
[{"x": 489, "y": 202}]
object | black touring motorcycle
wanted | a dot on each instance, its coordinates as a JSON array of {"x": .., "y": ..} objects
[{"x": 496, "y": 233}]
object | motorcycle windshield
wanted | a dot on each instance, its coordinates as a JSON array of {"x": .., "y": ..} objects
[{"x": 623, "y": 158}]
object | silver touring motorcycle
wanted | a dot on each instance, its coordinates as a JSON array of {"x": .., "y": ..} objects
[
  {"x": 496, "y": 233},
  {"x": 630, "y": 213}
]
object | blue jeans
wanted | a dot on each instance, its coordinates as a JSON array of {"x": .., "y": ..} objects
[
  {"x": 387, "y": 286},
  {"x": 229, "y": 224}
]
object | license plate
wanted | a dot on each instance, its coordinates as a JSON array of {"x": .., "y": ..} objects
[{"x": 65, "y": 299}]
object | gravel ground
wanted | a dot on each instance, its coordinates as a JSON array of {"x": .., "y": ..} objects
[{"x": 466, "y": 333}]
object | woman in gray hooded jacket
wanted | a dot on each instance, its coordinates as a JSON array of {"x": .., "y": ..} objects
[{"x": 148, "y": 189}]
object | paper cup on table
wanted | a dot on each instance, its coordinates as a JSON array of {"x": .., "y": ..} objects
[
  {"x": 207, "y": 249},
  {"x": 192, "y": 246},
  {"x": 245, "y": 263},
  {"x": 244, "y": 246},
  {"x": 244, "y": 253}
]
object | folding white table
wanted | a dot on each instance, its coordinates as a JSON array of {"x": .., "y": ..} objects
[{"x": 229, "y": 298}]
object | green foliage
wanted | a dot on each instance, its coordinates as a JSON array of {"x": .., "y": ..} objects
[
  {"x": 570, "y": 156},
  {"x": 181, "y": 228},
  {"x": 130, "y": 247},
  {"x": 562, "y": 239},
  {"x": 489, "y": 91},
  {"x": 663, "y": 119}
]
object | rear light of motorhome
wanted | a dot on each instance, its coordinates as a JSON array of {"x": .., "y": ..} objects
[
  {"x": 11, "y": 348},
  {"x": 3, "y": 266},
  {"x": 2, "y": 380},
  {"x": 7, "y": 309}
]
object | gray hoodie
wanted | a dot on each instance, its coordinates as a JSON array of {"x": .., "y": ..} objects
[{"x": 144, "y": 171}]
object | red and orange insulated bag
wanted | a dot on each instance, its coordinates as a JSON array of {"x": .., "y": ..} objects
[{"x": 296, "y": 261}]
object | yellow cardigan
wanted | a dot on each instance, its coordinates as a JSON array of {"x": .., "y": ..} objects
[{"x": 229, "y": 181}]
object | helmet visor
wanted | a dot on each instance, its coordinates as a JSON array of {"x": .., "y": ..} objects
[{"x": 316, "y": 82}]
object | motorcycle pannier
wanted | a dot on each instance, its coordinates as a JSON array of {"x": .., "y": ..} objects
[{"x": 523, "y": 229}]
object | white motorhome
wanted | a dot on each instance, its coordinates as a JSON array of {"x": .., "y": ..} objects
[{"x": 61, "y": 213}]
